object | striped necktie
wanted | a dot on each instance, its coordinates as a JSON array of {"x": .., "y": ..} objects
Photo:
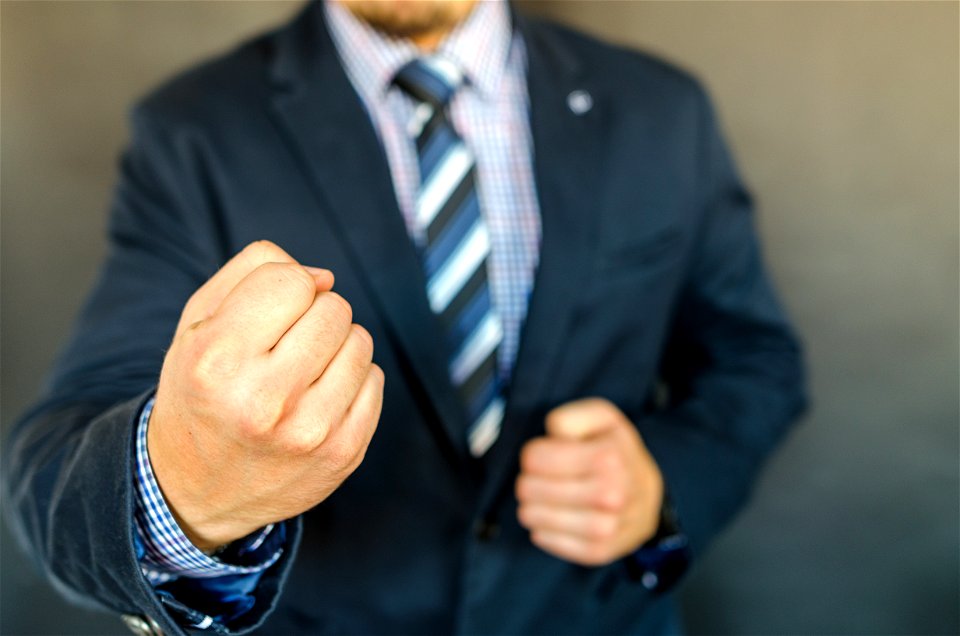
[{"x": 456, "y": 248}]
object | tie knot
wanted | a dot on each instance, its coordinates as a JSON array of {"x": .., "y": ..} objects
[{"x": 430, "y": 79}]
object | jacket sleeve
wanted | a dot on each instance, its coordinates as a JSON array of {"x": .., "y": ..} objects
[
  {"x": 732, "y": 371},
  {"x": 68, "y": 463}
]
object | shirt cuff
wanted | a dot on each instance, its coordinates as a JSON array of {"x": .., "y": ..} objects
[
  {"x": 661, "y": 562},
  {"x": 166, "y": 552}
]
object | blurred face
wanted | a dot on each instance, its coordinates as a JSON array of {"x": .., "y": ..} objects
[{"x": 426, "y": 22}]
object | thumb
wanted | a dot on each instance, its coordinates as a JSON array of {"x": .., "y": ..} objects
[
  {"x": 583, "y": 419},
  {"x": 323, "y": 277}
]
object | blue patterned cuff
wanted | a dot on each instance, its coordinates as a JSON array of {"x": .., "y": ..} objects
[
  {"x": 167, "y": 553},
  {"x": 658, "y": 567},
  {"x": 662, "y": 561}
]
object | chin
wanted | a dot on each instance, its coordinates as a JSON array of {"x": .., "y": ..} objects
[{"x": 410, "y": 18}]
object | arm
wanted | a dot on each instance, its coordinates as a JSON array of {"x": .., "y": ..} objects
[
  {"x": 214, "y": 589},
  {"x": 70, "y": 463},
  {"x": 591, "y": 490},
  {"x": 732, "y": 368}
]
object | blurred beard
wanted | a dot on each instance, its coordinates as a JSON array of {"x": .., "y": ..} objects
[{"x": 410, "y": 18}]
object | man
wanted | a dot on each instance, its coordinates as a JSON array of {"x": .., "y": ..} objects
[{"x": 579, "y": 366}]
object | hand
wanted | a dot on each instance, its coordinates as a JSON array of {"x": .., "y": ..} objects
[
  {"x": 589, "y": 492},
  {"x": 267, "y": 398}
]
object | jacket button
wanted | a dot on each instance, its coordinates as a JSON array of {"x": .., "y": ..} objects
[
  {"x": 579, "y": 102},
  {"x": 486, "y": 530}
]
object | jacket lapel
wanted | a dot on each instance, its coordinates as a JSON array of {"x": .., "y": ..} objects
[
  {"x": 567, "y": 158},
  {"x": 329, "y": 129},
  {"x": 327, "y": 126}
]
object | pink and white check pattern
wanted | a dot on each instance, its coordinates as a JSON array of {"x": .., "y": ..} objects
[
  {"x": 490, "y": 113},
  {"x": 168, "y": 553}
]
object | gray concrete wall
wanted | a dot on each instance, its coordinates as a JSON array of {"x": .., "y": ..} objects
[{"x": 844, "y": 117}]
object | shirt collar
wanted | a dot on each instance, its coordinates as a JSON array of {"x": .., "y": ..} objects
[{"x": 479, "y": 46}]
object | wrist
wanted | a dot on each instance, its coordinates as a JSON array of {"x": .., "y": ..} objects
[
  {"x": 209, "y": 544},
  {"x": 187, "y": 501}
]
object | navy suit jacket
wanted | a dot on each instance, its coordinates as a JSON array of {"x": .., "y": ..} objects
[{"x": 650, "y": 292}]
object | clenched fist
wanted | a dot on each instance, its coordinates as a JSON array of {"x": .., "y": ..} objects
[
  {"x": 589, "y": 492},
  {"x": 267, "y": 399}
]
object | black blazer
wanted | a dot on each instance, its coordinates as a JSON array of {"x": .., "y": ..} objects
[{"x": 650, "y": 292}]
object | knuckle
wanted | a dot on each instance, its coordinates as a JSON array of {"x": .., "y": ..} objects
[
  {"x": 341, "y": 457},
  {"x": 364, "y": 346},
  {"x": 251, "y": 427},
  {"x": 358, "y": 456},
  {"x": 351, "y": 448},
  {"x": 612, "y": 499},
  {"x": 522, "y": 488},
  {"x": 601, "y": 527},
  {"x": 525, "y": 459},
  {"x": 343, "y": 308},
  {"x": 320, "y": 430},
  {"x": 523, "y": 516},
  {"x": 364, "y": 413},
  {"x": 379, "y": 377},
  {"x": 214, "y": 365},
  {"x": 336, "y": 308},
  {"x": 530, "y": 456},
  {"x": 297, "y": 443},
  {"x": 263, "y": 251},
  {"x": 360, "y": 434},
  {"x": 258, "y": 417},
  {"x": 293, "y": 277},
  {"x": 192, "y": 339},
  {"x": 608, "y": 460},
  {"x": 364, "y": 335},
  {"x": 263, "y": 405},
  {"x": 192, "y": 307}
]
